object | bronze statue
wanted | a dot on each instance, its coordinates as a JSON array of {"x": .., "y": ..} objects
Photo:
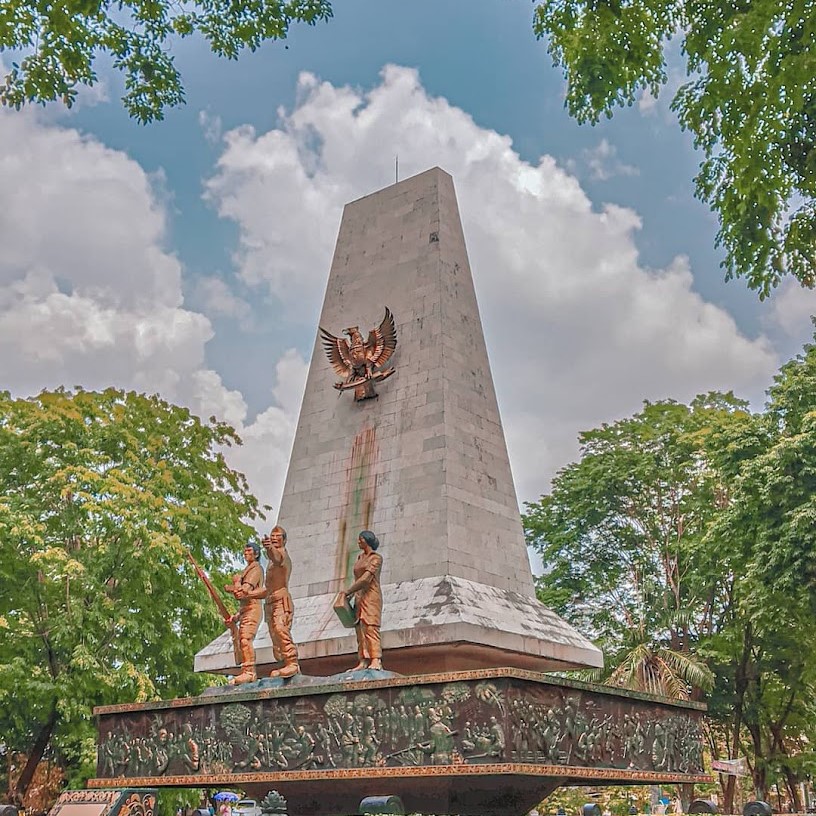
[
  {"x": 279, "y": 609},
  {"x": 368, "y": 601},
  {"x": 222, "y": 608},
  {"x": 358, "y": 360},
  {"x": 249, "y": 613}
]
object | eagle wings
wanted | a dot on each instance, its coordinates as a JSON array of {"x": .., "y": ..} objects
[{"x": 358, "y": 360}]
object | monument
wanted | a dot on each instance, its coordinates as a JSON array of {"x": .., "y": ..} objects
[
  {"x": 399, "y": 496},
  {"x": 424, "y": 465}
]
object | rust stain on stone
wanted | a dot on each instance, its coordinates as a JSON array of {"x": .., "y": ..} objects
[
  {"x": 360, "y": 500},
  {"x": 342, "y": 527}
]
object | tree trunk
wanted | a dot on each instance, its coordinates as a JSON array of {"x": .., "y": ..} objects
[
  {"x": 729, "y": 787},
  {"x": 686, "y": 790},
  {"x": 741, "y": 689},
  {"x": 792, "y": 784},
  {"x": 760, "y": 770},
  {"x": 5, "y": 781},
  {"x": 34, "y": 757},
  {"x": 760, "y": 776}
]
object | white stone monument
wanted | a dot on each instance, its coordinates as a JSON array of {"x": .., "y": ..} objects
[{"x": 424, "y": 465}]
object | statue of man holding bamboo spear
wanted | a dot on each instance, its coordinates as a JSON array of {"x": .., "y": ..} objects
[
  {"x": 248, "y": 589},
  {"x": 229, "y": 618},
  {"x": 244, "y": 587}
]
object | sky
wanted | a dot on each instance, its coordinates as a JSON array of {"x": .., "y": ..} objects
[{"x": 189, "y": 257}]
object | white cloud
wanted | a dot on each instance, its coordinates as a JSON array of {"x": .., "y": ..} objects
[
  {"x": 89, "y": 96},
  {"x": 789, "y": 321},
  {"x": 264, "y": 455},
  {"x": 602, "y": 163},
  {"x": 210, "y": 125},
  {"x": 792, "y": 310},
  {"x": 647, "y": 101},
  {"x": 290, "y": 380},
  {"x": 555, "y": 277},
  {"x": 217, "y": 298},
  {"x": 90, "y": 295}
]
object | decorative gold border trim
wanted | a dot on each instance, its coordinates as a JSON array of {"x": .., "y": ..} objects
[
  {"x": 395, "y": 682},
  {"x": 86, "y": 797},
  {"x": 109, "y": 798},
  {"x": 403, "y": 771}
]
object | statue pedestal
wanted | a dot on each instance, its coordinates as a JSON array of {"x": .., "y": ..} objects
[{"x": 493, "y": 741}]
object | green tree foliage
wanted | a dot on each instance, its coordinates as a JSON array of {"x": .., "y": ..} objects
[
  {"x": 60, "y": 41},
  {"x": 684, "y": 542},
  {"x": 750, "y": 105},
  {"x": 768, "y": 674},
  {"x": 100, "y": 494},
  {"x": 621, "y": 538},
  {"x": 773, "y": 465}
]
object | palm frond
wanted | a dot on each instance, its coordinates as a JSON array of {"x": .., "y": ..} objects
[{"x": 661, "y": 671}]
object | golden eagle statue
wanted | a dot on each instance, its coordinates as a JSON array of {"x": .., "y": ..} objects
[{"x": 359, "y": 361}]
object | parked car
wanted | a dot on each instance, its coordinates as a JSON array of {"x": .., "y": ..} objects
[{"x": 246, "y": 807}]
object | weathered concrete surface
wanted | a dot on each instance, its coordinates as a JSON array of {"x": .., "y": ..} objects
[
  {"x": 459, "y": 615},
  {"x": 424, "y": 465}
]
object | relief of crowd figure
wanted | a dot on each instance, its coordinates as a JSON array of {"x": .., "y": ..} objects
[
  {"x": 349, "y": 739},
  {"x": 677, "y": 745},
  {"x": 427, "y": 727},
  {"x": 351, "y": 730},
  {"x": 427, "y": 733},
  {"x": 430, "y": 727},
  {"x": 575, "y": 735},
  {"x": 262, "y": 746},
  {"x": 363, "y": 727},
  {"x": 124, "y": 755},
  {"x": 484, "y": 740},
  {"x": 275, "y": 743}
]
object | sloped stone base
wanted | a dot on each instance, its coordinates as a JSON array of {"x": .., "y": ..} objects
[{"x": 429, "y": 625}]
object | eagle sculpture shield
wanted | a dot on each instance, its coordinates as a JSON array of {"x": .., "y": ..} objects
[{"x": 360, "y": 361}]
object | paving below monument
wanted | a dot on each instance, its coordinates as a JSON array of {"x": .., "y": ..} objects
[{"x": 485, "y": 742}]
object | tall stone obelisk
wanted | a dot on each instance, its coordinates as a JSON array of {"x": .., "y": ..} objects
[{"x": 424, "y": 465}]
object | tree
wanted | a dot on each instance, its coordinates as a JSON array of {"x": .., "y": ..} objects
[
  {"x": 761, "y": 706},
  {"x": 684, "y": 542},
  {"x": 750, "y": 105},
  {"x": 100, "y": 494},
  {"x": 61, "y": 41},
  {"x": 621, "y": 538},
  {"x": 770, "y": 461}
]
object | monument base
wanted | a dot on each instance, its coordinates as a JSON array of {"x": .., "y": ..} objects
[
  {"x": 435, "y": 658},
  {"x": 484, "y": 742},
  {"x": 435, "y": 624}
]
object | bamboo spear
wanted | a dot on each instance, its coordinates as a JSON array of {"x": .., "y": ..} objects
[{"x": 222, "y": 608}]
